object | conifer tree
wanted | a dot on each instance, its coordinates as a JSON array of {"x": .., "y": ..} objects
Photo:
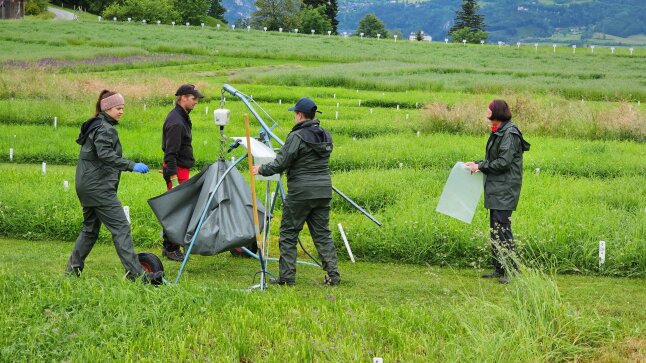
[
  {"x": 469, "y": 25},
  {"x": 467, "y": 17}
]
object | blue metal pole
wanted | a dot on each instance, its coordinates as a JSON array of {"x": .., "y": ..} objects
[{"x": 203, "y": 216}]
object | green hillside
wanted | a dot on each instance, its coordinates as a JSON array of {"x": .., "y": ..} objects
[{"x": 511, "y": 20}]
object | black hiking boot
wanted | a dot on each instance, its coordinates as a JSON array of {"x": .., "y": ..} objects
[
  {"x": 73, "y": 272},
  {"x": 493, "y": 274},
  {"x": 175, "y": 255},
  {"x": 275, "y": 281},
  {"x": 327, "y": 280}
]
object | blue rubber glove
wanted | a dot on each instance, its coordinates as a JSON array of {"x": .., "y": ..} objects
[{"x": 140, "y": 168}]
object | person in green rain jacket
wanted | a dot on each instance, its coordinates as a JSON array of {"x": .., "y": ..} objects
[
  {"x": 503, "y": 179},
  {"x": 305, "y": 158},
  {"x": 97, "y": 179}
]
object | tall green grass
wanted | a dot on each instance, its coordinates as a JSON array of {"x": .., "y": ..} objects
[
  {"x": 560, "y": 219},
  {"x": 374, "y": 314}
]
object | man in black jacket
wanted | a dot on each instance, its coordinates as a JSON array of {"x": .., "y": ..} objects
[
  {"x": 178, "y": 150},
  {"x": 305, "y": 156}
]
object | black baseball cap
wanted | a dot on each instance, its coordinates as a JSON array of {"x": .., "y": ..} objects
[
  {"x": 306, "y": 106},
  {"x": 188, "y": 89}
]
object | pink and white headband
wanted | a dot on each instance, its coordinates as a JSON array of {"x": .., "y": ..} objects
[{"x": 112, "y": 101}]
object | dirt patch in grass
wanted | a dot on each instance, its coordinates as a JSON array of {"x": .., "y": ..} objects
[{"x": 629, "y": 350}]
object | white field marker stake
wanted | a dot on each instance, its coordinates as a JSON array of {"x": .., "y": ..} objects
[
  {"x": 66, "y": 185},
  {"x": 347, "y": 245},
  {"x": 126, "y": 211},
  {"x": 418, "y": 133},
  {"x": 207, "y": 110},
  {"x": 371, "y": 111},
  {"x": 602, "y": 254},
  {"x": 337, "y": 105},
  {"x": 359, "y": 103},
  {"x": 55, "y": 122},
  {"x": 336, "y": 116},
  {"x": 43, "y": 168},
  {"x": 11, "y": 154},
  {"x": 280, "y": 102},
  {"x": 334, "y": 96},
  {"x": 407, "y": 116},
  {"x": 145, "y": 107},
  {"x": 397, "y": 107}
]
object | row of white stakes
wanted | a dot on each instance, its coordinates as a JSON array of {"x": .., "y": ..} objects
[
  {"x": 66, "y": 187},
  {"x": 126, "y": 209},
  {"x": 345, "y": 35}
]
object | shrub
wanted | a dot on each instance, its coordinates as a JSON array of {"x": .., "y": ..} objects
[
  {"x": 138, "y": 10},
  {"x": 35, "y": 7}
]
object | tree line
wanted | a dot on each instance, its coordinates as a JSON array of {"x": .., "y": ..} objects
[{"x": 319, "y": 16}]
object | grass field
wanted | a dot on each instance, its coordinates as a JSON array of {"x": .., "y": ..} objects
[
  {"x": 401, "y": 114},
  {"x": 398, "y": 312}
]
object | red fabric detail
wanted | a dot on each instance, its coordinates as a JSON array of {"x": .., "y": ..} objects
[
  {"x": 183, "y": 174},
  {"x": 494, "y": 128}
]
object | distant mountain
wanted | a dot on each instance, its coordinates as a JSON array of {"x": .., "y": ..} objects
[
  {"x": 574, "y": 21},
  {"x": 238, "y": 9}
]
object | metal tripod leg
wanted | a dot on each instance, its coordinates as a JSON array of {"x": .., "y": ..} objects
[{"x": 203, "y": 216}]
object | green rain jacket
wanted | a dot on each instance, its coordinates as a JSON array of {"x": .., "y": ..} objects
[
  {"x": 305, "y": 156},
  {"x": 503, "y": 167},
  {"x": 100, "y": 162}
]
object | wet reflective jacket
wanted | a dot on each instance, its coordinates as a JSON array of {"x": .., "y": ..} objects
[
  {"x": 305, "y": 156},
  {"x": 177, "y": 141},
  {"x": 503, "y": 167},
  {"x": 100, "y": 162}
]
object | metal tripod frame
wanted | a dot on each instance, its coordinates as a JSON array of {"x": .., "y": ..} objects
[
  {"x": 263, "y": 256},
  {"x": 270, "y": 135}
]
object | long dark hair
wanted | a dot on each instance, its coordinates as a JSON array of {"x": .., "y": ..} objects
[{"x": 104, "y": 94}]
